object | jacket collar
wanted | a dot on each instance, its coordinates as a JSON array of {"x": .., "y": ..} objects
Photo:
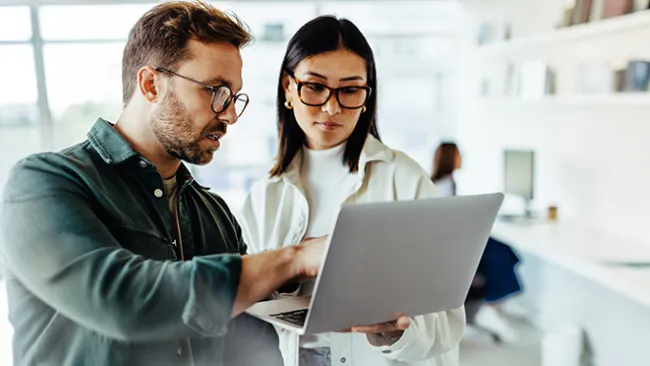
[
  {"x": 373, "y": 150},
  {"x": 115, "y": 150},
  {"x": 110, "y": 145}
]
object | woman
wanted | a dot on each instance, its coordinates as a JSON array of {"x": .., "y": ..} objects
[
  {"x": 495, "y": 278},
  {"x": 330, "y": 153},
  {"x": 446, "y": 160}
]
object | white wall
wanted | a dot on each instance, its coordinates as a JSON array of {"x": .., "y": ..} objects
[
  {"x": 593, "y": 164},
  {"x": 592, "y": 158},
  {"x": 593, "y": 161}
]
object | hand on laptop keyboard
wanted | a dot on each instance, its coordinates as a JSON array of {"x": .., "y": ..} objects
[{"x": 310, "y": 255}]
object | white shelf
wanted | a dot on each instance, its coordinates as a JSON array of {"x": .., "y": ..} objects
[
  {"x": 605, "y": 100},
  {"x": 633, "y": 21}
]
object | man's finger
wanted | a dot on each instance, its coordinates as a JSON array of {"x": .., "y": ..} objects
[
  {"x": 394, "y": 326},
  {"x": 403, "y": 322},
  {"x": 378, "y": 328}
]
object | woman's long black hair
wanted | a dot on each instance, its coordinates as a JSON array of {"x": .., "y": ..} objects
[{"x": 320, "y": 35}]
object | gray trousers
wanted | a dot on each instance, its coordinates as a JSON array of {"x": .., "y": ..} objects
[{"x": 315, "y": 356}]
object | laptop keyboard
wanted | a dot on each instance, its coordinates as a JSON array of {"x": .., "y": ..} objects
[{"x": 296, "y": 317}]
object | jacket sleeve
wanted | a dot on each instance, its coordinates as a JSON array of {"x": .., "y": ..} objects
[
  {"x": 56, "y": 246},
  {"x": 429, "y": 336}
]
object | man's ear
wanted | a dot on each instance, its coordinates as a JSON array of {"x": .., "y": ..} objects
[{"x": 149, "y": 83}]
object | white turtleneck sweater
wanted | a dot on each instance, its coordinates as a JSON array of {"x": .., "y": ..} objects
[{"x": 327, "y": 184}]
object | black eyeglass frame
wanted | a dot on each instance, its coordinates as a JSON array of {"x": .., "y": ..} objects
[
  {"x": 214, "y": 90},
  {"x": 332, "y": 91}
]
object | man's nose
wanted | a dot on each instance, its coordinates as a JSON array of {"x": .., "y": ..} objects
[{"x": 229, "y": 115}]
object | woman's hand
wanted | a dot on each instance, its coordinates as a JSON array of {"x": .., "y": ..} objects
[{"x": 383, "y": 334}]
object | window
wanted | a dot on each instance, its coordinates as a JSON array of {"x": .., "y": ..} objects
[
  {"x": 90, "y": 22},
  {"x": 83, "y": 87},
  {"x": 20, "y": 133},
  {"x": 15, "y": 23},
  {"x": 18, "y": 92},
  {"x": 396, "y": 17},
  {"x": 83, "y": 61},
  {"x": 258, "y": 15},
  {"x": 415, "y": 102}
]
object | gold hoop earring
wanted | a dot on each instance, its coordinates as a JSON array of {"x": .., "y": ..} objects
[
  {"x": 288, "y": 104},
  {"x": 363, "y": 109}
]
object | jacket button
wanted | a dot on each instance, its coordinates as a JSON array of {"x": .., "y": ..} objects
[
  {"x": 158, "y": 192},
  {"x": 143, "y": 164},
  {"x": 343, "y": 360}
]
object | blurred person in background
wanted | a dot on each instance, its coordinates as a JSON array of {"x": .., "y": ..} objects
[
  {"x": 496, "y": 279},
  {"x": 112, "y": 253},
  {"x": 329, "y": 154}
]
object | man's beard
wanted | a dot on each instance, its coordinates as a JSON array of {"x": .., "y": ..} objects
[{"x": 174, "y": 130}]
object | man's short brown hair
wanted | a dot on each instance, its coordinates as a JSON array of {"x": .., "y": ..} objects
[{"x": 160, "y": 37}]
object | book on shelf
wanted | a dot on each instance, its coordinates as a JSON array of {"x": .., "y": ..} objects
[
  {"x": 619, "y": 80},
  {"x": 604, "y": 9},
  {"x": 596, "y": 13},
  {"x": 615, "y": 8},
  {"x": 641, "y": 5},
  {"x": 581, "y": 12},
  {"x": 637, "y": 76}
]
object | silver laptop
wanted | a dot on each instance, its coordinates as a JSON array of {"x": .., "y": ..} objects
[{"x": 383, "y": 259}]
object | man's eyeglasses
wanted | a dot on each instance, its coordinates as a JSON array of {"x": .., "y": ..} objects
[
  {"x": 317, "y": 94},
  {"x": 222, "y": 96}
]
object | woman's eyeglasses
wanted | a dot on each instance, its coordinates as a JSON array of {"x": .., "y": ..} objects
[
  {"x": 317, "y": 94},
  {"x": 222, "y": 96}
]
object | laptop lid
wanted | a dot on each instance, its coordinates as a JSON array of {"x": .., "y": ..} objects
[{"x": 412, "y": 257}]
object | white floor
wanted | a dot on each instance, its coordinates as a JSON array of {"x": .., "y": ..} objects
[
  {"x": 478, "y": 349},
  {"x": 5, "y": 329}
]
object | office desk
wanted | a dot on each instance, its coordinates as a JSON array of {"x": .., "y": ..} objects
[
  {"x": 570, "y": 276},
  {"x": 595, "y": 256}
]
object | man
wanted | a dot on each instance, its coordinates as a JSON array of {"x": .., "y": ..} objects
[{"x": 113, "y": 254}]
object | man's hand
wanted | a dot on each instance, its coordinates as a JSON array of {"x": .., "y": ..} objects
[
  {"x": 383, "y": 334},
  {"x": 309, "y": 256},
  {"x": 265, "y": 272}
]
